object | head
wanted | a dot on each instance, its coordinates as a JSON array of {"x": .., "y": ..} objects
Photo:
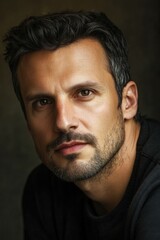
[
  {"x": 56, "y": 30},
  {"x": 70, "y": 72}
]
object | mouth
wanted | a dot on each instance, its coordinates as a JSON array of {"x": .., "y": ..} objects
[{"x": 70, "y": 147}]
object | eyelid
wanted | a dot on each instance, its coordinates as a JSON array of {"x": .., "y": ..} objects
[
  {"x": 43, "y": 98},
  {"x": 36, "y": 102},
  {"x": 84, "y": 88},
  {"x": 78, "y": 94},
  {"x": 90, "y": 92}
]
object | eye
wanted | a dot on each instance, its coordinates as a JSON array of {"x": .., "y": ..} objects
[
  {"x": 44, "y": 101},
  {"x": 41, "y": 103},
  {"x": 85, "y": 93}
]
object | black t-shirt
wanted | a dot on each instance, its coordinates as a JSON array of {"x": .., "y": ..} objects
[{"x": 54, "y": 209}]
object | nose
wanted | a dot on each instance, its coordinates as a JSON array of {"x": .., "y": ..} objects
[{"x": 65, "y": 119}]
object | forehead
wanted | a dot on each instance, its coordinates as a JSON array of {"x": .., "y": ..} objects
[
  {"x": 83, "y": 49},
  {"x": 68, "y": 65}
]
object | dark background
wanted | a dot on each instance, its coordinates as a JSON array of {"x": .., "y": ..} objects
[{"x": 140, "y": 22}]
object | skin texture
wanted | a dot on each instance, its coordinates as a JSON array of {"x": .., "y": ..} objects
[{"x": 73, "y": 115}]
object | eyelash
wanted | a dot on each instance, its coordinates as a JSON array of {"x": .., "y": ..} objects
[{"x": 84, "y": 91}]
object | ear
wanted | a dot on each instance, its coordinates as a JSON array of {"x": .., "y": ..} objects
[{"x": 129, "y": 100}]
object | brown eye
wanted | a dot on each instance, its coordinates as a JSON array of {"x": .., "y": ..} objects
[
  {"x": 42, "y": 103},
  {"x": 85, "y": 93}
]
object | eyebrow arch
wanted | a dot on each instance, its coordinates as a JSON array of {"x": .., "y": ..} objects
[
  {"x": 87, "y": 84},
  {"x": 32, "y": 97}
]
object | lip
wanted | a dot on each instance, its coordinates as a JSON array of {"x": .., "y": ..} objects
[{"x": 70, "y": 147}]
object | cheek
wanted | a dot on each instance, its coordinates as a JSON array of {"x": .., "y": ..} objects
[
  {"x": 99, "y": 116},
  {"x": 41, "y": 130}
]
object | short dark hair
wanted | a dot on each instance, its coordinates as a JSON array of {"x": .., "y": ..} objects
[{"x": 56, "y": 30}]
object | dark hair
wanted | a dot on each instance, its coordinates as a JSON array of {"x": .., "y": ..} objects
[{"x": 55, "y": 30}]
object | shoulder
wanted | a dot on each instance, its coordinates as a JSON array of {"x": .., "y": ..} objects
[
  {"x": 143, "y": 221},
  {"x": 38, "y": 172},
  {"x": 42, "y": 183},
  {"x": 148, "y": 224},
  {"x": 37, "y": 185},
  {"x": 39, "y": 177}
]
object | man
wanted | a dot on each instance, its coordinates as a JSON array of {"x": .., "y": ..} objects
[{"x": 100, "y": 177}]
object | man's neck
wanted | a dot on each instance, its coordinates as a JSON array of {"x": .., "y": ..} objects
[{"x": 107, "y": 188}]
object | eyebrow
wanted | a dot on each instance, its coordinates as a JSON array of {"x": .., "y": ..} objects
[
  {"x": 89, "y": 84},
  {"x": 31, "y": 97},
  {"x": 86, "y": 84}
]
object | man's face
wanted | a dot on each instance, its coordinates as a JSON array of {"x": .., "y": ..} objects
[{"x": 72, "y": 108}]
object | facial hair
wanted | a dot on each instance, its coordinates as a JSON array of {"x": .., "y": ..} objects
[{"x": 103, "y": 160}]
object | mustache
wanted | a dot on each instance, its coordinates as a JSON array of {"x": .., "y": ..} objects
[{"x": 70, "y": 136}]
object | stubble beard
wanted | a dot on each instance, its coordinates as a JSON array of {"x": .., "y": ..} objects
[{"x": 104, "y": 160}]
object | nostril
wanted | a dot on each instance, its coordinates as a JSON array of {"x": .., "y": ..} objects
[{"x": 65, "y": 125}]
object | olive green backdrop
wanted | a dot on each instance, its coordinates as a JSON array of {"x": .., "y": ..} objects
[{"x": 140, "y": 22}]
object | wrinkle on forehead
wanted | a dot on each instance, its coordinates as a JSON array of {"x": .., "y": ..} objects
[{"x": 84, "y": 60}]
